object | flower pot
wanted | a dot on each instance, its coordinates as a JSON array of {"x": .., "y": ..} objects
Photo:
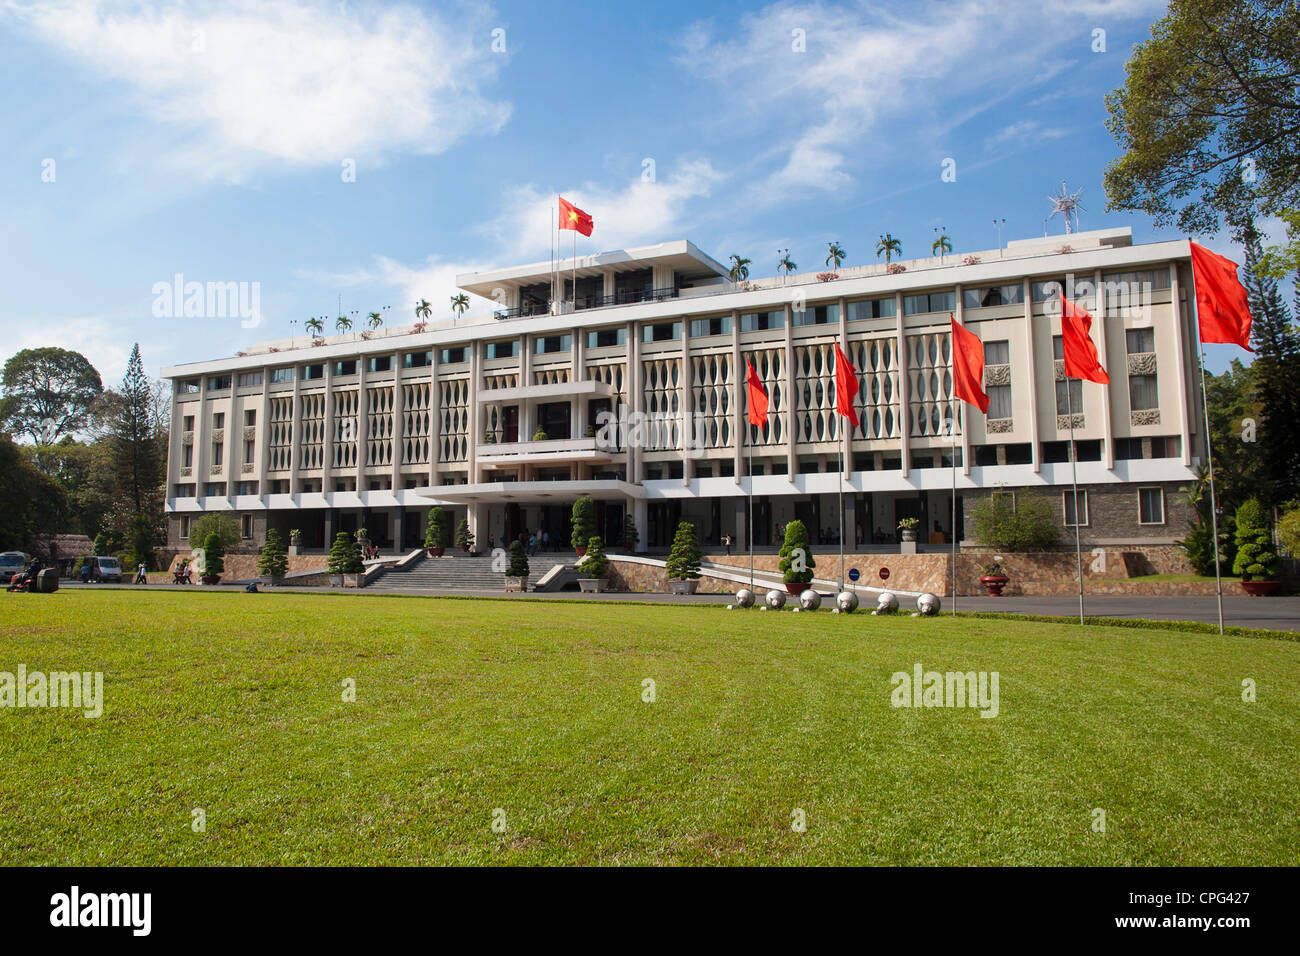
[
  {"x": 581, "y": 552},
  {"x": 210, "y": 578},
  {"x": 1260, "y": 588},
  {"x": 517, "y": 583},
  {"x": 336, "y": 580},
  {"x": 906, "y": 535},
  {"x": 683, "y": 587},
  {"x": 994, "y": 583},
  {"x": 797, "y": 587},
  {"x": 436, "y": 552},
  {"x": 595, "y": 585}
]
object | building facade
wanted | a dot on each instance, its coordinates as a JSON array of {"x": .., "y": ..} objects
[{"x": 622, "y": 376}]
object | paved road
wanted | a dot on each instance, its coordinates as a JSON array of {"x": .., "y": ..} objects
[{"x": 1275, "y": 613}]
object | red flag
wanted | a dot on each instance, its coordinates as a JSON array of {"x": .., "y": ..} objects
[
  {"x": 1080, "y": 353},
  {"x": 571, "y": 217},
  {"x": 845, "y": 392},
  {"x": 968, "y": 366},
  {"x": 757, "y": 396},
  {"x": 1222, "y": 308}
]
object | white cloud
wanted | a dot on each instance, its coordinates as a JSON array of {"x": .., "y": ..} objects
[
  {"x": 434, "y": 279},
  {"x": 98, "y": 337},
  {"x": 290, "y": 81},
  {"x": 1024, "y": 133}
]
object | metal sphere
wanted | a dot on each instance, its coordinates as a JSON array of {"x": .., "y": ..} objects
[
  {"x": 846, "y": 601},
  {"x": 744, "y": 598},
  {"x": 928, "y": 604},
  {"x": 810, "y": 600},
  {"x": 775, "y": 599},
  {"x": 887, "y": 603}
]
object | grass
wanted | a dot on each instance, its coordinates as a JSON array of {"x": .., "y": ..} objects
[{"x": 232, "y": 703}]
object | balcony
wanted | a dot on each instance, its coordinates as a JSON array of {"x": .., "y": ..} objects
[
  {"x": 559, "y": 451},
  {"x": 585, "y": 302},
  {"x": 588, "y": 388}
]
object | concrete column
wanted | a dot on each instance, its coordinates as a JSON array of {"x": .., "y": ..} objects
[
  {"x": 234, "y": 440},
  {"x": 361, "y": 433},
  {"x": 1108, "y": 430},
  {"x": 850, "y": 522},
  {"x": 958, "y": 407},
  {"x": 435, "y": 417},
  {"x": 791, "y": 400},
  {"x": 476, "y": 513},
  {"x": 641, "y": 517},
  {"x": 905, "y": 411},
  {"x": 399, "y": 424},
  {"x": 202, "y": 439},
  {"x": 686, "y": 404},
  {"x": 295, "y": 433},
  {"x": 742, "y": 530},
  {"x": 473, "y": 436},
  {"x": 264, "y": 437},
  {"x": 739, "y": 393},
  {"x": 396, "y": 518},
  {"x": 636, "y": 402},
  {"x": 1180, "y": 358},
  {"x": 842, "y": 423},
  {"x": 327, "y": 449},
  {"x": 1036, "y": 445}
]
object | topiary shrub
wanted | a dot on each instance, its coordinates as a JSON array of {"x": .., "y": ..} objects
[
  {"x": 684, "y": 558},
  {"x": 214, "y": 553},
  {"x": 1256, "y": 560},
  {"x": 796, "y": 562},
  {"x": 583, "y": 520},
  {"x": 628, "y": 537},
  {"x": 345, "y": 558},
  {"x": 435, "y": 536},
  {"x": 518, "y": 560},
  {"x": 464, "y": 537},
  {"x": 594, "y": 563},
  {"x": 1024, "y": 522},
  {"x": 274, "y": 559}
]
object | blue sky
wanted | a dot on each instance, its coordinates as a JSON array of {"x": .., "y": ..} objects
[{"x": 211, "y": 140}]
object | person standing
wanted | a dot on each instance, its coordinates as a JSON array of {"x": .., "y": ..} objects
[
  {"x": 141, "y": 575},
  {"x": 546, "y": 541}
]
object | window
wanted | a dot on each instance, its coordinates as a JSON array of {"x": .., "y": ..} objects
[
  {"x": 188, "y": 423},
  {"x": 250, "y": 451},
  {"x": 999, "y": 401},
  {"x": 1142, "y": 395},
  {"x": 219, "y": 383},
  {"x": 345, "y": 367},
  {"x": 1069, "y": 397},
  {"x": 187, "y": 387},
  {"x": 1151, "y": 506},
  {"x": 417, "y": 359},
  {"x": 185, "y": 527},
  {"x": 997, "y": 295},
  {"x": 214, "y": 489},
  {"x": 997, "y": 353},
  {"x": 1067, "y": 499},
  {"x": 545, "y": 344},
  {"x": 871, "y": 309},
  {"x": 380, "y": 363},
  {"x": 452, "y": 356},
  {"x": 934, "y": 302},
  {"x": 1153, "y": 278},
  {"x": 218, "y": 420},
  {"x": 718, "y": 325},
  {"x": 503, "y": 349},
  {"x": 762, "y": 321},
  {"x": 281, "y": 375},
  {"x": 184, "y": 491},
  {"x": 1139, "y": 341},
  {"x": 310, "y": 372},
  {"x": 249, "y": 379},
  {"x": 1050, "y": 289},
  {"x": 218, "y": 451},
  {"x": 661, "y": 332},
  {"x": 816, "y": 315},
  {"x": 245, "y": 526},
  {"x": 250, "y": 417},
  {"x": 604, "y": 338},
  {"x": 187, "y": 456}
]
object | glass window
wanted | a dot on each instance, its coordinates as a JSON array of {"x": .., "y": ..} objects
[
  {"x": 218, "y": 420},
  {"x": 310, "y": 372},
  {"x": 250, "y": 451},
  {"x": 999, "y": 401},
  {"x": 997, "y": 353},
  {"x": 871, "y": 309},
  {"x": 1142, "y": 393},
  {"x": 380, "y": 363},
  {"x": 816, "y": 315},
  {"x": 1048, "y": 289},
  {"x": 187, "y": 387},
  {"x": 503, "y": 349},
  {"x": 417, "y": 359},
  {"x": 604, "y": 338},
  {"x": 933, "y": 302},
  {"x": 247, "y": 379},
  {"x": 718, "y": 325},
  {"x": 762, "y": 321},
  {"x": 187, "y": 423},
  {"x": 346, "y": 367},
  {"x": 250, "y": 417},
  {"x": 1140, "y": 340},
  {"x": 1067, "y": 498},
  {"x": 281, "y": 375},
  {"x": 219, "y": 383},
  {"x": 553, "y": 343},
  {"x": 452, "y": 356},
  {"x": 1151, "y": 506},
  {"x": 218, "y": 453},
  {"x": 997, "y": 295},
  {"x": 661, "y": 332},
  {"x": 1069, "y": 401}
]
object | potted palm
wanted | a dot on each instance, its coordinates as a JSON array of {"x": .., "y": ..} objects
[
  {"x": 273, "y": 562},
  {"x": 214, "y": 553},
  {"x": 993, "y": 576},
  {"x": 464, "y": 537},
  {"x": 517, "y": 571},
  {"x": 683, "y": 565},
  {"x": 1256, "y": 561},
  {"x": 594, "y": 568},
  {"x": 435, "y": 536},
  {"x": 796, "y": 562},
  {"x": 583, "y": 520},
  {"x": 295, "y": 541}
]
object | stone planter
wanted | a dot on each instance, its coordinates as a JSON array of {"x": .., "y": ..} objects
[
  {"x": 594, "y": 585},
  {"x": 687, "y": 586},
  {"x": 517, "y": 584},
  {"x": 1260, "y": 588},
  {"x": 994, "y": 583},
  {"x": 354, "y": 580},
  {"x": 436, "y": 552},
  {"x": 271, "y": 580},
  {"x": 210, "y": 579},
  {"x": 336, "y": 580},
  {"x": 293, "y": 550}
]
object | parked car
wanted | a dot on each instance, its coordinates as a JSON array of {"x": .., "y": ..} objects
[
  {"x": 11, "y": 563},
  {"x": 105, "y": 569}
]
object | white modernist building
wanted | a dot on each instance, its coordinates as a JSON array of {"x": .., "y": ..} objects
[{"x": 629, "y": 387}]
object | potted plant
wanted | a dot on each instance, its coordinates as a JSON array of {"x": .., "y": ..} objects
[
  {"x": 629, "y": 536},
  {"x": 907, "y": 529},
  {"x": 464, "y": 537},
  {"x": 994, "y": 577},
  {"x": 363, "y": 537},
  {"x": 295, "y": 540},
  {"x": 583, "y": 520},
  {"x": 540, "y": 434},
  {"x": 435, "y": 536},
  {"x": 273, "y": 562},
  {"x": 1256, "y": 561},
  {"x": 796, "y": 562},
  {"x": 594, "y": 567},
  {"x": 517, "y": 571},
  {"x": 214, "y": 564},
  {"x": 683, "y": 565},
  {"x": 345, "y": 565}
]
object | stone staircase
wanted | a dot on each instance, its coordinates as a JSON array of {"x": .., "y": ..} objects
[{"x": 461, "y": 572}]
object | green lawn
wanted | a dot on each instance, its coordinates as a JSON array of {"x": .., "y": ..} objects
[{"x": 232, "y": 703}]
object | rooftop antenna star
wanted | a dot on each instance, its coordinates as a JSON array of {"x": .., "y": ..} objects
[{"x": 1067, "y": 204}]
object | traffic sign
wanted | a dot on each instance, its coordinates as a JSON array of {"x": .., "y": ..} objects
[
  {"x": 854, "y": 574},
  {"x": 884, "y": 574}
]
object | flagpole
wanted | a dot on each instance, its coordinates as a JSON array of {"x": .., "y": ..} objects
[
  {"x": 749, "y": 471},
  {"x": 1209, "y": 457},
  {"x": 840, "y": 587},
  {"x": 952, "y": 430},
  {"x": 550, "y": 306},
  {"x": 575, "y": 270},
  {"x": 1074, "y": 473}
]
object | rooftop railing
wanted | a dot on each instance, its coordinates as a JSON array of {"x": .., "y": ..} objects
[{"x": 584, "y": 302}]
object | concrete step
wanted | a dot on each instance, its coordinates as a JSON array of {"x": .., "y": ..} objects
[{"x": 462, "y": 572}]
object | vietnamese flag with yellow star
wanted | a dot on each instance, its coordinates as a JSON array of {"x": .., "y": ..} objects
[{"x": 571, "y": 217}]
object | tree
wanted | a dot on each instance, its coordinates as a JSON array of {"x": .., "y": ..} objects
[
  {"x": 459, "y": 303},
  {"x": 518, "y": 567},
  {"x": 786, "y": 264},
  {"x": 343, "y": 324},
  {"x": 435, "y": 535},
  {"x": 683, "y": 562},
  {"x": 423, "y": 310},
  {"x": 583, "y": 521},
  {"x": 594, "y": 564},
  {"x": 888, "y": 246},
  {"x": 796, "y": 564},
  {"x": 214, "y": 555},
  {"x": 48, "y": 393},
  {"x": 30, "y": 501},
  {"x": 834, "y": 255},
  {"x": 375, "y": 321},
  {"x": 739, "y": 270},
  {"x": 941, "y": 246},
  {"x": 1210, "y": 106},
  {"x": 345, "y": 557},
  {"x": 464, "y": 537},
  {"x": 138, "y": 441},
  {"x": 316, "y": 326},
  {"x": 1288, "y": 530},
  {"x": 1256, "y": 560},
  {"x": 274, "y": 559},
  {"x": 1023, "y": 522},
  {"x": 223, "y": 526}
]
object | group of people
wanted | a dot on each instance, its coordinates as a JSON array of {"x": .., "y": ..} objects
[{"x": 533, "y": 541}]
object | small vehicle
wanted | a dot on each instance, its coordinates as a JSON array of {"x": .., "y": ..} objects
[
  {"x": 105, "y": 569},
  {"x": 11, "y": 563}
]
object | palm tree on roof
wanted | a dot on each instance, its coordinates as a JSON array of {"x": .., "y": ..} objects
[
  {"x": 459, "y": 303},
  {"x": 889, "y": 246},
  {"x": 835, "y": 255},
  {"x": 786, "y": 265},
  {"x": 739, "y": 271}
]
